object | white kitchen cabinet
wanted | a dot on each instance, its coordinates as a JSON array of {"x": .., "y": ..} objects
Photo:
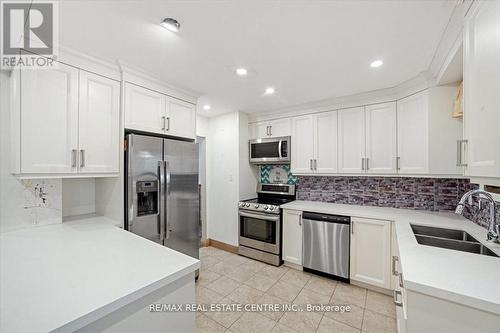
[
  {"x": 271, "y": 129},
  {"x": 48, "y": 120},
  {"x": 302, "y": 145},
  {"x": 181, "y": 118},
  {"x": 381, "y": 149},
  {"x": 292, "y": 236},
  {"x": 412, "y": 119},
  {"x": 99, "y": 124},
  {"x": 427, "y": 134},
  {"x": 371, "y": 252},
  {"x": 69, "y": 123},
  {"x": 325, "y": 142},
  {"x": 351, "y": 140},
  {"x": 145, "y": 109},
  {"x": 150, "y": 111},
  {"x": 481, "y": 82},
  {"x": 314, "y": 143}
]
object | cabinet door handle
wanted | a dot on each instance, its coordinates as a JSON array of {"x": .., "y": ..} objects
[
  {"x": 73, "y": 158},
  {"x": 315, "y": 165},
  {"x": 271, "y": 130},
  {"x": 82, "y": 158},
  {"x": 362, "y": 163},
  {"x": 367, "y": 165},
  {"x": 352, "y": 227},
  {"x": 460, "y": 149},
  {"x": 401, "y": 280},
  {"x": 311, "y": 165},
  {"x": 168, "y": 123},
  {"x": 396, "y": 301},
  {"x": 267, "y": 130},
  {"x": 395, "y": 259},
  {"x": 300, "y": 220},
  {"x": 163, "y": 123},
  {"x": 398, "y": 163}
]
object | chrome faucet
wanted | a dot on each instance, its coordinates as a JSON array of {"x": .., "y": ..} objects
[{"x": 493, "y": 227}]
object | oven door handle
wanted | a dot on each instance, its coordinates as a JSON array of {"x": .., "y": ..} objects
[{"x": 259, "y": 216}]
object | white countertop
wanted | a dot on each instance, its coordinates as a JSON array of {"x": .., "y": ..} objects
[
  {"x": 461, "y": 277},
  {"x": 64, "y": 276}
]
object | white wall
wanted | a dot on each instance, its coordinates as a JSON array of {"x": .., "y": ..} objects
[
  {"x": 78, "y": 196},
  {"x": 229, "y": 177},
  {"x": 222, "y": 178},
  {"x": 201, "y": 126},
  {"x": 248, "y": 174},
  {"x": 20, "y": 203}
]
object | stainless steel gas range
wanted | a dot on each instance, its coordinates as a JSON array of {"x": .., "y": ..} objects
[{"x": 260, "y": 222}]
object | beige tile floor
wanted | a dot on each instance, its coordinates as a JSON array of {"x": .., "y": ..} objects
[{"x": 228, "y": 278}]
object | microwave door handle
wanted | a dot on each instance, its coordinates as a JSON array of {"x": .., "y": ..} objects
[
  {"x": 279, "y": 149},
  {"x": 161, "y": 199}
]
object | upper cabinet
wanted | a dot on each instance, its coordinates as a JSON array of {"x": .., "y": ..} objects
[
  {"x": 67, "y": 123},
  {"x": 150, "y": 111},
  {"x": 427, "y": 135},
  {"x": 351, "y": 140},
  {"x": 481, "y": 82},
  {"x": 413, "y": 134},
  {"x": 49, "y": 118},
  {"x": 99, "y": 120},
  {"x": 270, "y": 129},
  {"x": 381, "y": 149},
  {"x": 314, "y": 143},
  {"x": 144, "y": 109},
  {"x": 302, "y": 144}
]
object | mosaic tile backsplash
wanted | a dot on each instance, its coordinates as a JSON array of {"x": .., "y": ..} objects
[{"x": 434, "y": 194}]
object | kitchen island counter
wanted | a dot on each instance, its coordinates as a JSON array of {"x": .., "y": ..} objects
[{"x": 64, "y": 277}]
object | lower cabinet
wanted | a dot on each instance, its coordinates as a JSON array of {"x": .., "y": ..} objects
[
  {"x": 292, "y": 236},
  {"x": 371, "y": 252}
]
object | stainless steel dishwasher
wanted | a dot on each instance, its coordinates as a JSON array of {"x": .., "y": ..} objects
[{"x": 326, "y": 244}]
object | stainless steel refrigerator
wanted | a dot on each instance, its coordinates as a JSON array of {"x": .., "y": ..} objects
[{"x": 162, "y": 192}]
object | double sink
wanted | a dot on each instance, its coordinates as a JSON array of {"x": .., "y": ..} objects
[{"x": 449, "y": 239}]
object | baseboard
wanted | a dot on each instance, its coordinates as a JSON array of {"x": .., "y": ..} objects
[
  {"x": 292, "y": 265},
  {"x": 222, "y": 246},
  {"x": 205, "y": 242},
  {"x": 373, "y": 288}
]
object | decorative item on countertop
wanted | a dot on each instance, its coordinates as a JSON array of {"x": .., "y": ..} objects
[
  {"x": 458, "y": 109},
  {"x": 277, "y": 174}
]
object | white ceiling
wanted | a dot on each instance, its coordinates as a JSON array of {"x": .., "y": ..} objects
[{"x": 308, "y": 50}]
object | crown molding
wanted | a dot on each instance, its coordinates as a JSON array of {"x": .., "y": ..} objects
[
  {"x": 404, "y": 89},
  {"x": 133, "y": 74}
]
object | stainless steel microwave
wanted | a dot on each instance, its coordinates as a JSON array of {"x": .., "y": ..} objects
[{"x": 270, "y": 150}]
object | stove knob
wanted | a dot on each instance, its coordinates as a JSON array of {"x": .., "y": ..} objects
[
  {"x": 256, "y": 206},
  {"x": 271, "y": 207},
  {"x": 266, "y": 207},
  {"x": 241, "y": 204},
  {"x": 247, "y": 205}
]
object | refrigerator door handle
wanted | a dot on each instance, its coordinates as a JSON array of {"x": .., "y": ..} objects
[
  {"x": 161, "y": 199},
  {"x": 167, "y": 199}
]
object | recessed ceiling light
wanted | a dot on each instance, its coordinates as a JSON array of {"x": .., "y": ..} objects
[
  {"x": 376, "y": 63},
  {"x": 269, "y": 91},
  {"x": 170, "y": 24},
  {"x": 206, "y": 107},
  {"x": 241, "y": 71}
]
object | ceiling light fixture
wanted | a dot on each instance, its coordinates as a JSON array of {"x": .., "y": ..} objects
[
  {"x": 241, "y": 71},
  {"x": 206, "y": 107},
  {"x": 376, "y": 63},
  {"x": 269, "y": 91},
  {"x": 170, "y": 24}
]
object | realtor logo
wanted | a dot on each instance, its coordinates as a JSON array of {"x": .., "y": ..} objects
[{"x": 29, "y": 33}]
